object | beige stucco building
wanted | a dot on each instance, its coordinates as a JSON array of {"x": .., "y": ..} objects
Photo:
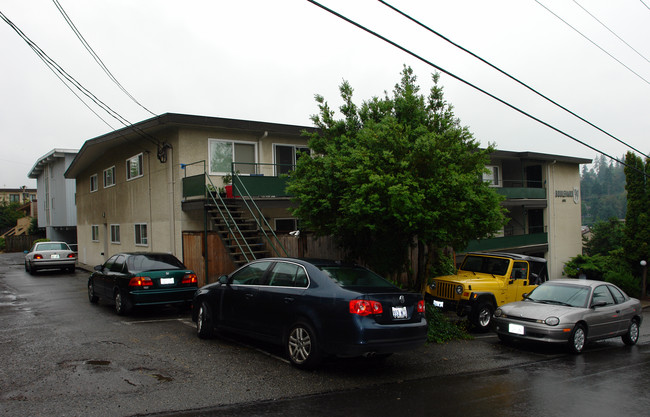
[
  {"x": 542, "y": 195},
  {"x": 130, "y": 183},
  {"x": 143, "y": 188}
]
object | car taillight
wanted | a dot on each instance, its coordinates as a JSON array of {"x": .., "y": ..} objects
[
  {"x": 38, "y": 256},
  {"x": 71, "y": 255},
  {"x": 421, "y": 307},
  {"x": 365, "y": 307},
  {"x": 189, "y": 279},
  {"x": 140, "y": 282}
]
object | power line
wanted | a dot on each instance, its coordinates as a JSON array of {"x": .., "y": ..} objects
[
  {"x": 456, "y": 77},
  {"x": 95, "y": 56},
  {"x": 592, "y": 42},
  {"x": 68, "y": 79},
  {"x": 645, "y": 4},
  {"x": 611, "y": 31},
  {"x": 509, "y": 76}
]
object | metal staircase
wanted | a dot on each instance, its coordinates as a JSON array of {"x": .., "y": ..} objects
[{"x": 242, "y": 227}]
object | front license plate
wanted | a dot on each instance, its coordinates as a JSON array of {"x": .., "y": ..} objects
[
  {"x": 437, "y": 303},
  {"x": 54, "y": 256},
  {"x": 516, "y": 328},
  {"x": 166, "y": 281},
  {"x": 399, "y": 313}
]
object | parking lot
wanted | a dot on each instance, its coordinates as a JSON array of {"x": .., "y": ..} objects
[{"x": 62, "y": 353}]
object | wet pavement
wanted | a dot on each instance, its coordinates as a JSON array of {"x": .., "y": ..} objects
[{"x": 60, "y": 355}]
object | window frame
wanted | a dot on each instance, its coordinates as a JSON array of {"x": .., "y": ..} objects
[
  {"x": 294, "y": 156},
  {"x": 232, "y": 142},
  {"x": 110, "y": 169},
  {"x": 115, "y": 228},
  {"x": 139, "y": 159},
  {"x": 494, "y": 182},
  {"x": 137, "y": 232},
  {"x": 94, "y": 183},
  {"x": 94, "y": 233}
]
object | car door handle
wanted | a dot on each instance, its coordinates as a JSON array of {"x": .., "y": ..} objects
[
  {"x": 249, "y": 296},
  {"x": 288, "y": 300}
]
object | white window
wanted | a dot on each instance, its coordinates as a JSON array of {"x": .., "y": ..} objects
[
  {"x": 141, "y": 234},
  {"x": 109, "y": 177},
  {"x": 94, "y": 233},
  {"x": 286, "y": 156},
  {"x": 115, "y": 233},
  {"x": 93, "y": 183},
  {"x": 224, "y": 152},
  {"x": 134, "y": 167},
  {"x": 492, "y": 176}
]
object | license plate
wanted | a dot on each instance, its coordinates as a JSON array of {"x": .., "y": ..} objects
[
  {"x": 399, "y": 313},
  {"x": 516, "y": 328},
  {"x": 166, "y": 281},
  {"x": 437, "y": 303},
  {"x": 54, "y": 256}
]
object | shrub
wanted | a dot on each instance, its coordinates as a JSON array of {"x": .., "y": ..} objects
[
  {"x": 623, "y": 278},
  {"x": 441, "y": 329}
]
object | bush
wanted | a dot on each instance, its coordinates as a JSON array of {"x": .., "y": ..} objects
[
  {"x": 441, "y": 329},
  {"x": 623, "y": 278}
]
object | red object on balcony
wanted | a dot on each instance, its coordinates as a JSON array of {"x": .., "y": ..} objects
[{"x": 229, "y": 191}]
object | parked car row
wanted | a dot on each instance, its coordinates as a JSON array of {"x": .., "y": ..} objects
[{"x": 319, "y": 308}]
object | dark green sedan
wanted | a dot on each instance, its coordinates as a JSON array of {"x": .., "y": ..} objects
[{"x": 142, "y": 279}]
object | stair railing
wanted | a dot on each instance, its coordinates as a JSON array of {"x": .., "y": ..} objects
[{"x": 256, "y": 213}]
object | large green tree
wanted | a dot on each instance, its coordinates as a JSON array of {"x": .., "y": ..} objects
[{"x": 394, "y": 172}]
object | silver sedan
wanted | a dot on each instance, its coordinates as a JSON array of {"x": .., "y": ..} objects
[
  {"x": 573, "y": 312},
  {"x": 50, "y": 255}
]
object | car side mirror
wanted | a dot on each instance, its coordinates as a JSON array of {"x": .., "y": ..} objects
[
  {"x": 598, "y": 304},
  {"x": 524, "y": 296},
  {"x": 98, "y": 267},
  {"x": 223, "y": 279}
]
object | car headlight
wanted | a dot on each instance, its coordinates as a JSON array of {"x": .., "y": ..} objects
[
  {"x": 432, "y": 285},
  {"x": 498, "y": 312},
  {"x": 552, "y": 321},
  {"x": 459, "y": 289}
]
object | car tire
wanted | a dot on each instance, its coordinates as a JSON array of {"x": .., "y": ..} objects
[
  {"x": 204, "y": 322},
  {"x": 577, "y": 338},
  {"x": 122, "y": 304},
  {"x": 632, "y": 336},
  {"x": 302, "y": 346},
  {"x": 482, "y": 316},
  {"x": 26, "y": 267},
  {"x": 71, "y": 269},
  {"x": 91, "y": 293},
  {"x": 31, "y": 269}
]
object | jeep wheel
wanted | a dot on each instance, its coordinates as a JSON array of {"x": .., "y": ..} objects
[{"x": 482, "y": 316}]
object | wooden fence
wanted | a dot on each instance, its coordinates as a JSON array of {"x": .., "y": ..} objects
[{"x": 20, "y": 243}]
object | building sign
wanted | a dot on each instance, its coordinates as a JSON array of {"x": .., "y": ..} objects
[{"x": 575, "y": 194}]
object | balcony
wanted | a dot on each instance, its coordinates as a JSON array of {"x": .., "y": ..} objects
[{"x": 507, "y": 242}]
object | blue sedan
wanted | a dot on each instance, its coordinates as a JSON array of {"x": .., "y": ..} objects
[{"x": 313, "y": 308}]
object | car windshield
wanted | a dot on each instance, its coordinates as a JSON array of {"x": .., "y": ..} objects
[
  {"x": 356, "y": 277},
  {"x": 569, "y": 295},
  {"x": 486, "y": 265},
  {"x": 52, "y": 246},
  {"x": 153, "y": 262}
]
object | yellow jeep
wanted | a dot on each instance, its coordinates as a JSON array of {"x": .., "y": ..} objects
[{"x": 485, "y": 281}]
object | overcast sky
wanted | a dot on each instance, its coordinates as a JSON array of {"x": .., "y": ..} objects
[{"x": 265, "y": 61}]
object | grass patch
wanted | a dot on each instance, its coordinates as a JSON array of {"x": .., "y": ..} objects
[{"x": 442, "y": 330}]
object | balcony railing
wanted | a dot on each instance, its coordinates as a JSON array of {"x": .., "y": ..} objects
[{"x": 507, "y": 242}]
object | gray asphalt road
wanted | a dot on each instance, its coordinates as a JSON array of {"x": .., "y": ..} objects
[{"x": 60, "y": 355}]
